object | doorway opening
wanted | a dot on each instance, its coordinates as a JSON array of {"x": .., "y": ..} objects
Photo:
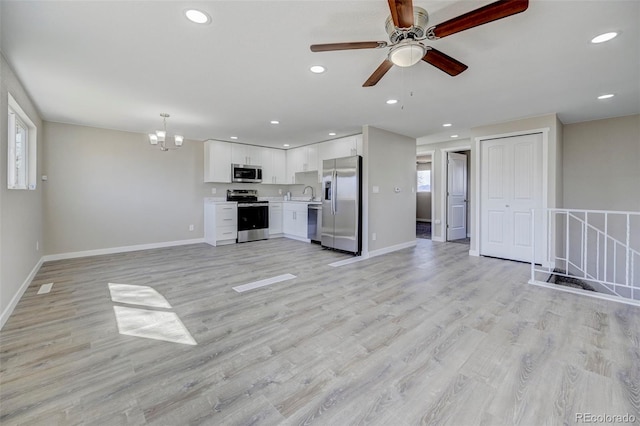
[{"x": 423, "y": 196}]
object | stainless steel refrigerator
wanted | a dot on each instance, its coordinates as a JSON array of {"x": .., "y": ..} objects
[{"x": 342, "y": 204}]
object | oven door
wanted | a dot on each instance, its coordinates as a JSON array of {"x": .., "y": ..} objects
[{"x": 253, "y": 221}]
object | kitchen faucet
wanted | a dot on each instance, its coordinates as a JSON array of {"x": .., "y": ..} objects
[{"x": 304, "y": 191}]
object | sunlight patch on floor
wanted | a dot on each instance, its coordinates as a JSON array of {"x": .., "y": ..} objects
[
  {"x": 137, "y": 295},
  {"x": 147, "y": 323},
  {"x": 157, "y": 325}
]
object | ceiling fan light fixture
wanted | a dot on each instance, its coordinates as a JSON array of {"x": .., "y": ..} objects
[{"x": 407, "y": 53}]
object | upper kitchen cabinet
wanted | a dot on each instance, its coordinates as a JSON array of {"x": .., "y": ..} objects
[
  {"x": 217, "y": 161},
  {"x": 274, "y": 164},
  {"x": 246, "y": 154},
  {"x": 303, "y": 159},
  {"x": 337, "y": 148},
  {"x": 343, "y": 147}
]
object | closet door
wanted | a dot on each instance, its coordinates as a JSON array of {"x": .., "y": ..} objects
[{"x": 510, "y": 186}]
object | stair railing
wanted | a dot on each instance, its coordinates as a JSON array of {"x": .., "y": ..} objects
[{"x": 581, "y": 244}]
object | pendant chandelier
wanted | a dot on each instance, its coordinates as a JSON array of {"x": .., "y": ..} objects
[{"x": 159, "y": 137}]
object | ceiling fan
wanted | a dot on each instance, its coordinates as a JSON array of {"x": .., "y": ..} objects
[{"x": 407, "y": 27}]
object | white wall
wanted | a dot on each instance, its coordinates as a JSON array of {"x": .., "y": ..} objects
[
  {"x": 21, "y": 217},
  {"x": 389, "y": 161}
]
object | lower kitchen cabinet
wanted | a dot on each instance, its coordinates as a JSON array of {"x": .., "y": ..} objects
[
  {"x": 294, "y": 222},
  {"x": 220, "y": 223},
  {"x": 275, "y": 219}
]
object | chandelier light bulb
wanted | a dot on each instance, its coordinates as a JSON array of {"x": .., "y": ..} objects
[{"x": 159, "y": 137}]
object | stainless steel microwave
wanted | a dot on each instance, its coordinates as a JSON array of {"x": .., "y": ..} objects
[{"x": 246, "y": 173}]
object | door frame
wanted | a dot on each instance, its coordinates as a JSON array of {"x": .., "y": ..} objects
[
  {"x": 432, "y": 153},
  {"x": 475, "y": 231},
  {"x": 444, "y": 187}
]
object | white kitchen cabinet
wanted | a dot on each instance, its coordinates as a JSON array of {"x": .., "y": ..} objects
[
  {"x": 274, "y": 164},
  {"x": 246, "y": 154},
  {"x": 302, "y": 159},
  {"x": 217, "y": 161},
  {"x": 337, "y": 148},
  {"x": 220, "y": 223},
  {"x": 294, "y": 222},
  {"x": 275, "y": 219}
]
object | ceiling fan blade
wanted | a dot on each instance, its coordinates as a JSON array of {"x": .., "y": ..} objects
[
  {"x": 444, "y": 62},
  {"x": 401, "y": 13},
  {"x": 378, "y": 73},
  {"x": 491, "y": 12},
  {"x": 348, "y": 46}
]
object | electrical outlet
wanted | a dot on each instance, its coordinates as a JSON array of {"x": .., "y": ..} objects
[
  {"x": 280, "y": 191},
  {"x": 191, "y": 227},
  {"x": 213, "y": 190},
  {"x": 374, "y": 236}
]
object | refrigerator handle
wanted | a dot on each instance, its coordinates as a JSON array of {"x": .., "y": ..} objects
[{"x": 334, "y": 204}]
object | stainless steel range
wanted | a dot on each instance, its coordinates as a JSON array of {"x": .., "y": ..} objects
[{"x": 253, "y": 215}]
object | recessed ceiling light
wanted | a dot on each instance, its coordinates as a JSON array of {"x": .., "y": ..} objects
[
  {"x": 197, "y": 16},
  {"x": 233, "y": 137},
  {"x": 446, "y": 125},
  {"x": 610, "y": 95},
  {"x": 286, "y": 144},
  {"x": 332, "y": 134},
  {"x": 392, "y": 101},
  {"x": 454, "y": 136},
  {"x": 604, "y": 37},
  {"x": 317, "y": 69},
  {"x": 275, "y": 122}
]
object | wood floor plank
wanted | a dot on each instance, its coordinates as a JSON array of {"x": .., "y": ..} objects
[{"x": 425, "y": 335}]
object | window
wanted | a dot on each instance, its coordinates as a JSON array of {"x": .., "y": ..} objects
[
  {"x": 21, "y": 158},
  {"x": 424, "y": 180}
]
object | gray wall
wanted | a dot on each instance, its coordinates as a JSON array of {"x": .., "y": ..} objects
[
  {"x": 601, "y": 162},
  {"x": 389, "y": 162},
  {"x": 21, "y": 217},
  {"x": 110, "y": 189}
]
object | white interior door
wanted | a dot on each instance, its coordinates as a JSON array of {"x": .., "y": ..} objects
[
  {"x": 510, "y": 186},
  {"x": 456, "y": 196}
]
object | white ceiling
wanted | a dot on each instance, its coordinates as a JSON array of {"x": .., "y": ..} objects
[{"x": 119, "y": 64}]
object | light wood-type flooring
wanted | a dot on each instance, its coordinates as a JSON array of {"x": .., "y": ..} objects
[{"x": 427, "y": 335}]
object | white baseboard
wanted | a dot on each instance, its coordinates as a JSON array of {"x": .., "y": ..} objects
[
  {"x": 437, "y": 239},
  {"x": 390, "y": 249},
  {"x": 124, "y": 249},
  {"x": 474, "y": 253},
  {"x": 16, "y": 297}
]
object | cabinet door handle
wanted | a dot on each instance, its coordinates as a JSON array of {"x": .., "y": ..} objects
[{"x": 228, "y": 219}]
